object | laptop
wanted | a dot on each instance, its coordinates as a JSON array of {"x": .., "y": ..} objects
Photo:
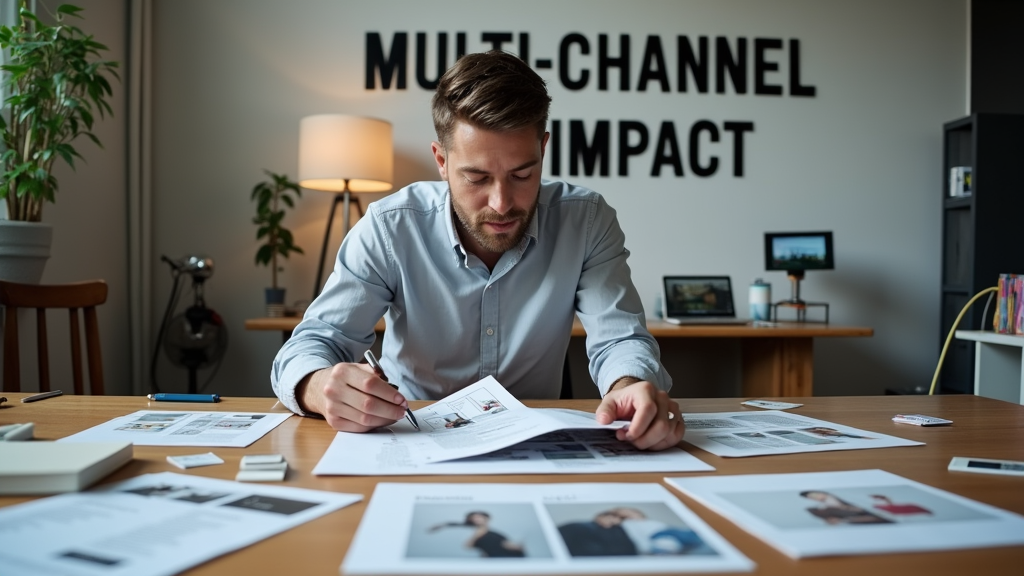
[{"x": 699, "y": 300}]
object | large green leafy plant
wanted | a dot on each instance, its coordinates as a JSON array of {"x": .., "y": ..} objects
[
  {"x": 271, "y": 197},
  {"x": 55, "y": 83}
]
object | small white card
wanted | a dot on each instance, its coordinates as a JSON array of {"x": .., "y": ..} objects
[
  {"x": 195, "y": 460},
  {"x": 251, "y": 459},
  {"x": 261, "y": 475},
  {"x": 770, "y": 405},
  {"x": 920, "y": 420}
]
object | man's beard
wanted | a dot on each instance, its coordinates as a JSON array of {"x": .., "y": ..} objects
[{"x": 501, "y": 242}]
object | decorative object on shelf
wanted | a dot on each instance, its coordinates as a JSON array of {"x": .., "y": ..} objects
[
  {"x": 760, "y": 300},
  {"x": 959, "y": 181},
  {"x": 1009, "y": 315},
  {"x": 271, "y": 197},
  {"x": 54, "y": 85},
  {"x": 344, "y": 154}
]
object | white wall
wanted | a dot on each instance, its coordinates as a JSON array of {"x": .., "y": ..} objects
[{"x": 232, "y": 79}]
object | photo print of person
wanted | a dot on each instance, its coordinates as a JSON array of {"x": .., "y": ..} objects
[
  {"x": 476, "y": 530},
  {"x": 834, "y": 510},
  {"x": 633, "y": 529}
]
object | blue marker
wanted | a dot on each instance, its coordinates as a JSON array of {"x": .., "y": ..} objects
[{"x": 184, "y": 397}]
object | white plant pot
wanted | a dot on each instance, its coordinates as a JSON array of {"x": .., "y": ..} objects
[{"x": 24, "y": 250}]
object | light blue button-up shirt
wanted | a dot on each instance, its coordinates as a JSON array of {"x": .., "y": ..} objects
[{"x": 451, "y": 321}]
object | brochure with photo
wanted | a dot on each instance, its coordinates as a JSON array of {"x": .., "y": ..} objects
[
  {"x": 534, "y": 529},
  {"x": 174, "y": 428},
  {"x": 852, "y": 512},
  {"x": 738, "y": 434}
]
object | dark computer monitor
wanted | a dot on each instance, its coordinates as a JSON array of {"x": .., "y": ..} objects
[{"x": 795, "y": 252}]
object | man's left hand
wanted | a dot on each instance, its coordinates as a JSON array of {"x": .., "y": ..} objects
[{"x": 655, "y": 422}]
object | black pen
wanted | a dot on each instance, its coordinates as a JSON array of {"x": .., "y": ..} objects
[
  {"x": 372, "y": 361},
  {"x": 42, "y": 396}
]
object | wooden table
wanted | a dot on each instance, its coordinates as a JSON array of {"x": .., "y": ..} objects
[
  {"x": 777, "y": 360},
  {"x": 982, "y": 428}
]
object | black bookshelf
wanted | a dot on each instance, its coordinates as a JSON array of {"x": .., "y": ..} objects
[{"x": 981, "y": 233}]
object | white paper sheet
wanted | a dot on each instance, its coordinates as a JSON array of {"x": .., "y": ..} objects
[
  {"x": 151, "y": 525},
  {"x": 534, "y": 529},
  {"x": 854, "y": 512},
  {"x": 740, "y": 434},
  {"x": 182, "y": 428},
  {"x": 482, "y": 418},
  {"x": 385, "y": 453}
]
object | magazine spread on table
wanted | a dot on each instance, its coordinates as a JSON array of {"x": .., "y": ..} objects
[
  {"x": 627, "y": 528},
  {"x": 852, "y": 512},
  {"x": 767, "y": 432},
  {"x": 151, "y": 525},
  {"x": 183, "y": 428}
]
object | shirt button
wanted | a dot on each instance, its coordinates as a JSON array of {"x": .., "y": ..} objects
[{"x": 490, "y": 331}]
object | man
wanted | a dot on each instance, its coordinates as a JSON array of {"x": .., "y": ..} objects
[{"x": 480, "y": 275}]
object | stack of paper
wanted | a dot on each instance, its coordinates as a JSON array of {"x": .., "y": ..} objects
[{"x": 53, "y": 467}]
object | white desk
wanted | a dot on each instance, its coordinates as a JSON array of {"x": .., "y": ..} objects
[{"x": 997, "y": 364}]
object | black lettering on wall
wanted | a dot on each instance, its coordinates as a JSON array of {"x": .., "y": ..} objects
[
  {"x": 625, "y": 148},
  {"x": 563, "y": 61},
  {"x": 524, "y": 47},
  {"x": 735, "y": 65},
  {"x": 590, "y": 153},
  {"x": 795, "y": 87},
  {"x": 460, "y": 45},
  {"x": 697, "y": 64},
  {"x": 392, "y": 66},
  {"x": 421, "y": 59},
  {"x": 737, "y": 129},
  {"x": 653, "y": 66},
  {"x": 695, "y": 165},
  {"x": 604, "y": 62},
  {"x": 554, "y": 149},
  {"x": 763, "y": 66},
  {"x": 496, "y": 39},
  {"x": 667, "y": 138}
]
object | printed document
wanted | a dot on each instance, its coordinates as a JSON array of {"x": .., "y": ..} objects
[
  {"x": 482, "y": 418},
  {"x": 385, "y": 452},
  {"x": 740, "y": 434},
  {"x": 415, "y": 528},
  {"x": 151, "y": 525},
  {"x": 852, "y": 512},
  {"x": 173, "y": 428}
]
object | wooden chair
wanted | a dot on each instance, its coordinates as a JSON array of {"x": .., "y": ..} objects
[{"x": 84, "y": 295}]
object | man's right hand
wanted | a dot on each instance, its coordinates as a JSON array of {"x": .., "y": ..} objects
[{"x": 351, "y": 398}]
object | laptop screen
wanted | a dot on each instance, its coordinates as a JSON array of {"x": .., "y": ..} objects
[{"x": 698, "y": 296}]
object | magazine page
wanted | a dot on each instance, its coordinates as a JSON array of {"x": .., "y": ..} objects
[
  {"x": 182, "y": 428},
  {"x": 151, "y": 525},
  {"x": 852, "y": 512},
  {"x": 386, "y": 453},
  {"x": 738, "y": 434},
  {"x": 592, "y": 528},
  {"x": 482, "y": 418}
]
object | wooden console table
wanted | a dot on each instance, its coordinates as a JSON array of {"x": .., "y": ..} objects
[{"x": 778, "y": 360}]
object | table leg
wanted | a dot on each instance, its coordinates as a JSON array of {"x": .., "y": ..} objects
[{"x": 778, "y": 367}]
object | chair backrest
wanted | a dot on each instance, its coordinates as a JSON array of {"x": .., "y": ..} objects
[{"x": 80, "y": 295}]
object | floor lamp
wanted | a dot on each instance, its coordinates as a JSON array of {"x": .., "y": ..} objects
[{"x": 345, "y": 155}]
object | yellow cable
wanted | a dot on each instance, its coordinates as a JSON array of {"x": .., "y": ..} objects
[{"x": 952, "y": 329}]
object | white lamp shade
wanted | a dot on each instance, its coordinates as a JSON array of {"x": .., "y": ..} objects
[{"x": 334, "y": 148}]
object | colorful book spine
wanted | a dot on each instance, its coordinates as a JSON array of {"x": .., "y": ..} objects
[{"x": 1009, "y": 312}]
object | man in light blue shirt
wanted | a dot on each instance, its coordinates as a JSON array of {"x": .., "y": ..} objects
[{"x": 480, "y": 274}]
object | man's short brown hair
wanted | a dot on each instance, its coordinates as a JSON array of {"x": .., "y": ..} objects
[{"x": 492, "y": 90}]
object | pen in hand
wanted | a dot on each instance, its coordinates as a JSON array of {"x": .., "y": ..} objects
[{"x": 372, "y": 361}]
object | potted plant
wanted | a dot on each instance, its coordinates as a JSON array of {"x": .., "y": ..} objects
[
  {"x": 271, "y": 197},
  {"x": 54, "y": 84}
]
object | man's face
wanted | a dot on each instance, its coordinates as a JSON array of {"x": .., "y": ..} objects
[{"x": 494, "y": 178}]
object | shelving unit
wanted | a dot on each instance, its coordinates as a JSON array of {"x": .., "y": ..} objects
[{"x": 981, "y": 233}]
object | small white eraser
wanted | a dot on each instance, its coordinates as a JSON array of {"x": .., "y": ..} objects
[
  {"x": 261, "y": 459},
  {"x": 770, "y": 405},
  {"x": 195, "y": 460},
  {"x": 261, "y": 475},
  {"x": 920, "y": 420}
]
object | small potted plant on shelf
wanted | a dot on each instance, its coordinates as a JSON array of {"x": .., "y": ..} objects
[
  {"x": 271, "y": 197},
  {"x": 54, "y": 84}
]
